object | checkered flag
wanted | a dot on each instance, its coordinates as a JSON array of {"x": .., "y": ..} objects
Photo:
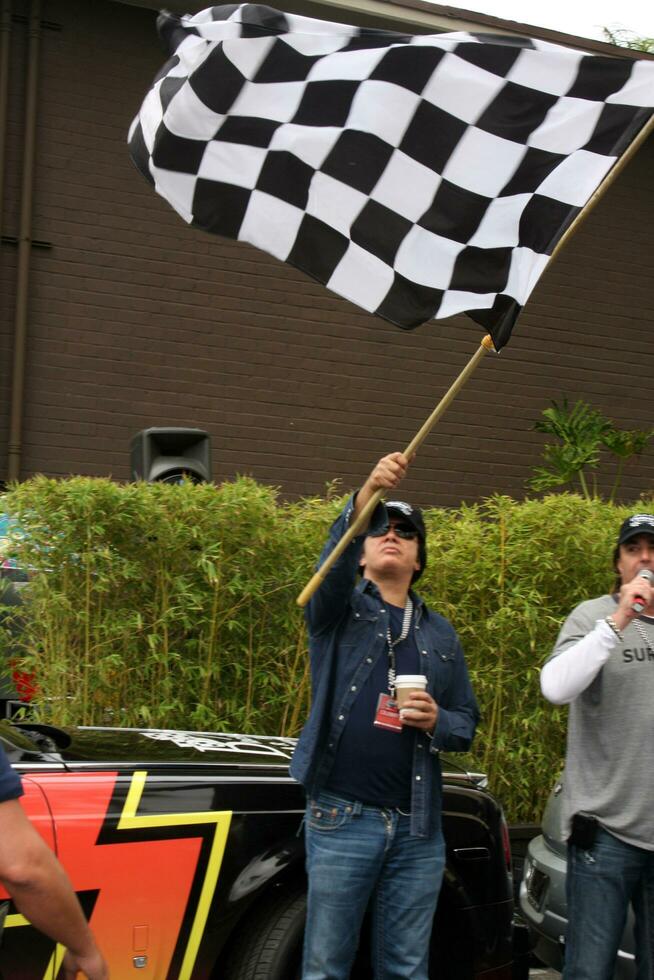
[{"x": 417, "y": 176}]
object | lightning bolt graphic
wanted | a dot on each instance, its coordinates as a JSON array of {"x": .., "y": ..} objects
[{"x": 163, "y": 874}]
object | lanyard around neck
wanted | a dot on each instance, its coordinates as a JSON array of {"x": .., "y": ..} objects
[{"x": 406, "y": 626}]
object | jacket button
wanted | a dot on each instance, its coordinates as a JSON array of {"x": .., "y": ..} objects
[
  {"x": 443, "y": 657},
  {"x": 353, "y": 688},
  {"x": 380, "y": 634},
  {"x": 368, "y": 660},
  {"x": 356, "y": 615},
  {"x": 418, "y": 778},
  {"x": 341, "y": 717},
  {"x": 424, "y": 653},
  {"x": 382, "y": 610}
]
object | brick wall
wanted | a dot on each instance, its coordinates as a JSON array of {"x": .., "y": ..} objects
[{"x": 138, "y": 320}]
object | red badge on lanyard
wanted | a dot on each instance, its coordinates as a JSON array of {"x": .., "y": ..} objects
[{"x": 387, "y": 714}]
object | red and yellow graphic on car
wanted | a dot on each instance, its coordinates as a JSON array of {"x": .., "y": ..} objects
[{"x": 146, "y": 879}]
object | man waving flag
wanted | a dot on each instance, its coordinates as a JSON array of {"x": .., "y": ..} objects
[{"x": 417, "y": 176}]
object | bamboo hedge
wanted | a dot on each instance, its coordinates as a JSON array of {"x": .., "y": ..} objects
[{"x": 174, "y": 606}]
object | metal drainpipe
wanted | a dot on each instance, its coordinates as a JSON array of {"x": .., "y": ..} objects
[
  {"x": 5, "y": 38},
  {"x": 24, "y": 245}
]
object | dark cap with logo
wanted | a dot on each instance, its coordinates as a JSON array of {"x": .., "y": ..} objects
[
  {"x": 412, "y": 515},
  {"x": 634, "y": 525}
]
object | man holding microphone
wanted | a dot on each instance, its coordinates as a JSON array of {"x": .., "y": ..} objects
[
  {"x": 603, "y": 666},
  {"x": 371, "y": 771}
]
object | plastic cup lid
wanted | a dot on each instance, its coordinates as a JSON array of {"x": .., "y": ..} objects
[{"x": 404, "y": 680}]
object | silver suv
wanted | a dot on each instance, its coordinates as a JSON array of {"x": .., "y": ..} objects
[{"x": 542, "y": 895}]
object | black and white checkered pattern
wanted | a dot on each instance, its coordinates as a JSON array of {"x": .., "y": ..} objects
[{"x": 418, "y": 177}]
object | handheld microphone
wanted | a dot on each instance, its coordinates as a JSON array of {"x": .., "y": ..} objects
[{"x": 639, "y": 603}]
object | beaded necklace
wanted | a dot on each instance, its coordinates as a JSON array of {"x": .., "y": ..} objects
[{"x": 406, "y": 625}]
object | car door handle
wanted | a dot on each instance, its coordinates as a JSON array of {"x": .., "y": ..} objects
[{"x": 471, "y": 853}]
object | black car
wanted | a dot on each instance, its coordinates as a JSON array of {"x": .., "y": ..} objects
[{"x": 186, "y": 852}]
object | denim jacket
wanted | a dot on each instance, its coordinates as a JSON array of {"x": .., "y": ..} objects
[{"x": 347, "y": 625}]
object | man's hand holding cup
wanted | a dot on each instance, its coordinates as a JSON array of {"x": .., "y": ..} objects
[{"x": 417, "y": 708}]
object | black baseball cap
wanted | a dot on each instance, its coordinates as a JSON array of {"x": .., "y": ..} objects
[
  {"x": 634, "y": 525},
  {"x": 412, "y": 515}
]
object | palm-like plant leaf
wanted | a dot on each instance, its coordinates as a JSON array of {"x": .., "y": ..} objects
[
  {"x": 578, "y": 426},
  {"x": 626, "y": 442}
]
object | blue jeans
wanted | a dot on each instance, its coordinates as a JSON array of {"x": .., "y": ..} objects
[
  {"x": 600, "y": 884},
  {"x": 358, "y": 854}
]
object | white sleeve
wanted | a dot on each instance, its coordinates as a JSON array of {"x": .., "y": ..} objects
[{"x": 565, "y": 676}]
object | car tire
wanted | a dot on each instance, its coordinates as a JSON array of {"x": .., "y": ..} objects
[{"x": 270, "y": 948}]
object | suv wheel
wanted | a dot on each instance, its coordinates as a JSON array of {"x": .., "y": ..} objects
[{"x": 270, "y": 948}]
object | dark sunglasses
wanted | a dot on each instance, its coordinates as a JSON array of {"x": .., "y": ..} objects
[{"x": 405, "y": 531}]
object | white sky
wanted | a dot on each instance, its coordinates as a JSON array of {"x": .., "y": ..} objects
[{"x": 583, "y": 18}]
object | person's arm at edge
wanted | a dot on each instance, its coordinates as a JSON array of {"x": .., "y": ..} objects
[{"x": 42, "y": 893}]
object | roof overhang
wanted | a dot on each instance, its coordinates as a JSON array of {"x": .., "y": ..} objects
[{"x": 420, "y": 15}]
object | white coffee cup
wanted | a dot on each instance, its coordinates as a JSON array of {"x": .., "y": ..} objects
[{"x": 406, "y": 683}]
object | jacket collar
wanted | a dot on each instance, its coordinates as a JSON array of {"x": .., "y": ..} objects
[{"x": 364, "y": 585}]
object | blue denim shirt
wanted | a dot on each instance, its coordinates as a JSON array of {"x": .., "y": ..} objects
[{"x": 347, "y": 635}]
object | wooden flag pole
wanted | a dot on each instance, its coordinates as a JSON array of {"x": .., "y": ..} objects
[{"x": 362, "y": 520}]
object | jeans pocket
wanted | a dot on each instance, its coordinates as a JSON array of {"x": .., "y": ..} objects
[{"x": 328, "y": 815}]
